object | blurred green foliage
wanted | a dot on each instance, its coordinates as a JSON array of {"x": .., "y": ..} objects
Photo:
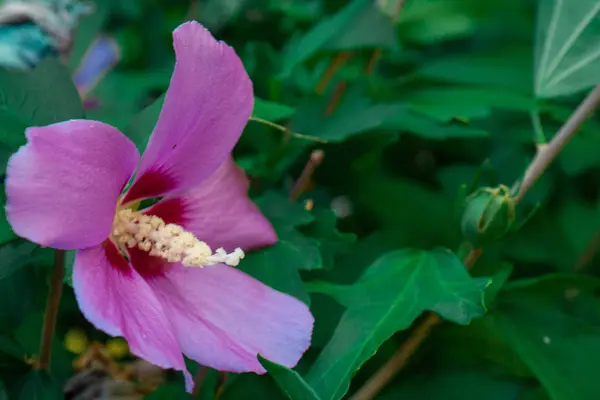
[{"x": 409, "y": 112}]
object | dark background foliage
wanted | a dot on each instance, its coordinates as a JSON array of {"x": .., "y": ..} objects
[{"x": 408, "y": 110}]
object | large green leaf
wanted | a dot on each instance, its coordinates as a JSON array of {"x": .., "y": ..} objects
[
  {"x": 3, "y": 393},
  {"x": 141, "y": 126},
  {"x": 553, "y": 324},
  {"x": 391, "y": 294},
  {"x": 354, "y": 114},
  {"x": 455, "y": 384},
  {"x": 17, "y": 296},
  {"x": 35, "y": 98},
  {"x": 359, "y": 24},
  {"x": 567, "y": 49},
  {"x": 329, "y": 240},
  {"x": 37, "y": 385},
  {"x": 278, "y": 266},
  {"x": 271, "y": 111},
  {"x": 509, "y": 68},
  {"x": 40, "y": 97},
  {"x": 289, "y": 381},
  {"x": 6, "y": 232}
]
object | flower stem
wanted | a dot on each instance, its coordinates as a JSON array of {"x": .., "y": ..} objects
[
  {"x": 401, "y": 357},
  {"x": 546, "y": 154},
  {"x": 52, "y": 305}
]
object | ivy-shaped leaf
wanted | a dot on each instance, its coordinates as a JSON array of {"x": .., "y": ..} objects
[{"x": 391, "y": 294}]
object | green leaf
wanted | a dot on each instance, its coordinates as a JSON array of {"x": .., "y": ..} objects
[
  {"x": 359, "y": 24},
  {"x": 40, "y": 97},
  {"x": 6, "y": 232},
  {"x": 418, "y": 124},
  {"x": 567, "y": 49},
  {"x": 15, "y": 255},
  {"x": 35, "y": 98},
  {"x": 286, "y": 215},
  {"x": 354, "y": 114},
  {"x": 169, "y": 390},
  {"x": 283, "y": 212},
  {"x": 17, "y": 294},
  {"x": 455, "y": 385},
  {"x": 430, "y": 21},
  {"x": 446, "y": 102},
  {"x": 37, "y": 385},
  {"x": 3, "y": 392},
  {"x": 289, "y": 381},
  {"x": 391, "y": 294},
  {"x": 553, "y": 324},
  {"x": 277, "y": 266},
  {"x": 271, "y": 111},
  {"x": 489, "y": 68},
  {"x": 141, "y": 126},
  {"x": 330, "y": 241}
]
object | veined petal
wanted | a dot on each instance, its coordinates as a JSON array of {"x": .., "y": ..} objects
[
  {"x": 233, "y": 318},
  {"x": 207, "y": 105},
  {"x": 219, "y": 212},
  {"x": 62, "y": 186},
  {"x": 118, "y": 301}
]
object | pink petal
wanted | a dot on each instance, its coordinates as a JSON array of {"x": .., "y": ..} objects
[
  {"x": 118, "y": 301},
  {"x": 62, "y": 186},
  {"x": 219, "y": 212},
  {"x": 207, "y": 106},
  {"x": 223, "y": 318}
]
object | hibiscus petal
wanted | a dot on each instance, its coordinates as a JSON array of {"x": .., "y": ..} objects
[
  {"x": 219, "y": 212},
  {"x": 62, "y": 186},
  {"x": 118, "y": 301},
  {"x": 223, "y": 318},
  {"x": 206, "y": 107}
]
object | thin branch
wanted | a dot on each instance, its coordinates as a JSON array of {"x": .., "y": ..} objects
[
  {"x": 333, "y": 68},
  {"x": 340, "y": 88},
  {"x": 401, "y": 357},
  {"x": 199, "y": 380},
  {"x": 546, "y": 154},
  {"x": 316, "y": 157},
  {"x": 51, "y": 313},
  {"x": 286, "y": 130},
  {"x": 588, "y": 254}
]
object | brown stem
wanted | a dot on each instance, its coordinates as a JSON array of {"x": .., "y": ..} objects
[
  {"x": 333, "y": 68},
  {"x": 588, "y": 254},
  {"x": 401, "y": 357},
  {"x": 198, "y": 380},
  {"x": 316, "y": 157},
  {"x": 52, "y": 305},
  {"x": 376, "y": 55},
  {"x": 340, "y": 88},
  {"x": 546, "y": 154}
]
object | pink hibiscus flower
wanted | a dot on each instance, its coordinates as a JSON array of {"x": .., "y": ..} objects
[{"x": 145, "y": 274}]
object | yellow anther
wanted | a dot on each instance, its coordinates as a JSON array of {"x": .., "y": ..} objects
[{"x": 169, "y": 241}]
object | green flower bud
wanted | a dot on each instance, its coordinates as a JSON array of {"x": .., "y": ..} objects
[{"x": 489, "y": 215}]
